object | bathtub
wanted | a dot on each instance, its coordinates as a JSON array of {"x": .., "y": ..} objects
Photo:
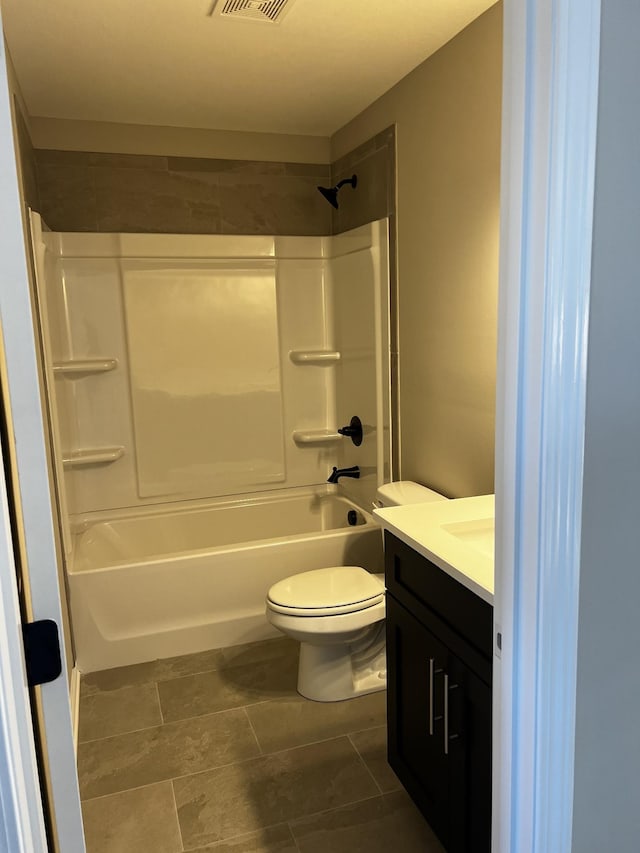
[{"x": 164, "y": 583}]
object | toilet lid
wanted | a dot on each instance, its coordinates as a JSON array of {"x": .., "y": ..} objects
[{"x": 338, "y": 589}]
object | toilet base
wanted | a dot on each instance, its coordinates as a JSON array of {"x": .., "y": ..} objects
[{"x": 334, "y": 673}]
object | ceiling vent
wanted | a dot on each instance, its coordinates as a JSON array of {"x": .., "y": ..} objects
[{"x": 269, "y": 11}]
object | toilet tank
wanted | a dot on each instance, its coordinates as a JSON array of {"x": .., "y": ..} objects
[{"x": 405, "y": 492}]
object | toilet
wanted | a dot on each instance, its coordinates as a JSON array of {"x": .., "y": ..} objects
[{"x": 337, "y": 615}]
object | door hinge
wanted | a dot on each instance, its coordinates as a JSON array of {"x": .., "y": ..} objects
[{"x": 41, "y": 651}]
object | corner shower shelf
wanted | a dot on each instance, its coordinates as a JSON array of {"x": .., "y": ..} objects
[
  {"x": 93, "y": 456},
  {"x": 75, "y": 367},
  {"x": 315, "y": 436},
  {"x": 318, "y": 356}
]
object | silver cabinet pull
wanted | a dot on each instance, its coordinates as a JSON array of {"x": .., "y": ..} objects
[
  {"x": 447, "y": 688},
  {"x": 432, "y": 700}
]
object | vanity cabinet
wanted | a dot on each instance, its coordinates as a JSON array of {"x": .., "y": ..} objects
[{"x": 439, "y": 649}]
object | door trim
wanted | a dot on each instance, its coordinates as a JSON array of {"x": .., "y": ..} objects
[
  {"x": 550, "y": 95},
  {"x": 32, "y": 488},
  {"x": 20, "y": 800}
]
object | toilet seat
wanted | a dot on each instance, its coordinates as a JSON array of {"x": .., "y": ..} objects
[
  {"x": 331, "y": 628},
  {"x": 332, "y": 591}
]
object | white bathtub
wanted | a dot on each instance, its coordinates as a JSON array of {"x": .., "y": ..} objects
[{"x": 160, "y": 584}]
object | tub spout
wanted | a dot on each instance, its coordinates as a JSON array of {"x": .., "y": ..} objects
[{"x": 343, "y": 472}]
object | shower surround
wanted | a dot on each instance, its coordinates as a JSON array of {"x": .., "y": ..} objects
[{"x": 195, "y": 385}]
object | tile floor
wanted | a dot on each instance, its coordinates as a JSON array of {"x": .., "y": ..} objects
[{"x": 217, "y": 752}]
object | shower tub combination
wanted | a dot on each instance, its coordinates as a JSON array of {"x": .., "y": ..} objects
[
  {"x": 164, "y": 583},
  {"x": 197, "y": 383}
]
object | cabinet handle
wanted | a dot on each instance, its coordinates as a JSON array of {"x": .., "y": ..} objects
[
  {"x": 432, "y": 701},
  {"x": 447, "y": 688}
]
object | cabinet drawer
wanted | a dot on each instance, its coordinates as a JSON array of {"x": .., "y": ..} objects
[{"x": 426, "y": 589}]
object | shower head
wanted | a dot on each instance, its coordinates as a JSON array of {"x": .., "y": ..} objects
[{"x": 331, "y": 193}]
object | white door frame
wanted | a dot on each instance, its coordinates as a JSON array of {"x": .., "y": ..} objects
[
  {"x": 551, "y": 63},
  {"x": 549, "y": 120},
  {"x": 21, "y": 820},
  {"x": 35, "y": 510}
]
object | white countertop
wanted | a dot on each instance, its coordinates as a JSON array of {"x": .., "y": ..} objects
[{"x": 456, "y": 535}]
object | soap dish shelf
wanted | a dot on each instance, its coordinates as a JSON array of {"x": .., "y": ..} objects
[
  {"x": 316, "y": 436},
  {"x": 76, "y": 367},
  {"x": 91, "y": 456},
  {"x": 319, "y": 356}
]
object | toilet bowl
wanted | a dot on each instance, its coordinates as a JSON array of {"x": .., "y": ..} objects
[{"x": 337, "y": 615}]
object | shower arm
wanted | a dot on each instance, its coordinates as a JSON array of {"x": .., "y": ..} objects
[{"x": 353, "y": 181}]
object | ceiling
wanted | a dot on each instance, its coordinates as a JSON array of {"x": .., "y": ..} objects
[{"x": 168, "y": 62}]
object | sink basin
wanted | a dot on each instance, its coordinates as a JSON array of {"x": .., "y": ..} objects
[{"x": 478, "y": 533}]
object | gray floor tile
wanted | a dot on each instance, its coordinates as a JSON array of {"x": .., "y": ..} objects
[
  {"x": 144, "y": 819},
  {"x": 165, "y": 752},
  {"x": 219, "y": 804},
  {"x": 274, "y": 839},
  {"x": 177, "y": 667},
  {"x": 231, "y": 687},
  {"x": 118, "y": 711},
  {"x": 147, "y": 673},
  {"x": 372, "y": 746},
  {"x": 293, "y": 721},
  {"x": 378, "y": 825},
  {"x": 278, "y": 647}
]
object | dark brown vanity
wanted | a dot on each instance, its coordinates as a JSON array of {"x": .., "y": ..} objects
[{"x": 439, "y": 650}]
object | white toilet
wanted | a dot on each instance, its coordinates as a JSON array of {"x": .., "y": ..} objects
[{"x": 337, "y": 614}]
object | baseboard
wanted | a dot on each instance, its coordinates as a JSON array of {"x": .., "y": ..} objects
[{"x": 74, "y": 701}]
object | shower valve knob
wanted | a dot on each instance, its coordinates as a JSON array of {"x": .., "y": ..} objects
[{"x": 353, "y": 430}]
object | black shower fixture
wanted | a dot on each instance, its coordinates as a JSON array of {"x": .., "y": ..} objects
[{"x": 331, "y": 193}]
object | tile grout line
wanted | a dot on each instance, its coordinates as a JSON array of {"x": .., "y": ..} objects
[
  {"x": 295, "y": 840},
  {"x": 175, "y": 806},
  {"x": 123, "y": 734},
  {"x": 231, "y": 838},
  {"x": 159, "y": 705},
  {"x": 180, "y": 778},
  {"x": 211, "y": 713},
  {"x": 321, "y": 740},
  {"x": 365, "y": 765},
  {"x": 218, "y": 767},
  {"x": 164, "y": 723},
  {"x": 258, "y": 744},
  {"x": 333, "y": 809},
  {"x": 155, "y": 680}
]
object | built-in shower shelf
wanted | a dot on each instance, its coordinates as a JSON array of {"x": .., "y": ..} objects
[
  {"x": 81, "y": 366},
  {"x": 317, "y": 356},
  {"x": 91, "y": 456},
  {"x": 315, "y": 436}
]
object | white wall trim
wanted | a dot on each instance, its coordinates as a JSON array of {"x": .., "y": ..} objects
[{"x": 549, "y": 132}]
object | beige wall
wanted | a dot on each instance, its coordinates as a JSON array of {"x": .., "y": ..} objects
[
  {"x": 22, "y": 141},
  {"x": 115, "y": 138},
  {"x": 447, "y": 115}
]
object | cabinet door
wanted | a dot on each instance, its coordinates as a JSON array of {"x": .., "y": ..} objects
[
  {"x": 415, "y": 669},
  {"x": 439, "y": 723},
  {"x": 467, "y": 734}
]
